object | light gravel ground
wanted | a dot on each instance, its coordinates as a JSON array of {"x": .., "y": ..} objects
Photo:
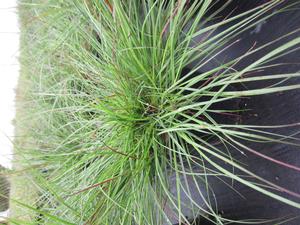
[{"x": 9, "y": 71}]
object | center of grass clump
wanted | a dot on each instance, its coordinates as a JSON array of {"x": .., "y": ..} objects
[{"x": 150, "y": 110}]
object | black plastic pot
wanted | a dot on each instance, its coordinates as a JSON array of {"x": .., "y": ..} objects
[{"x": 272, "y": 109}]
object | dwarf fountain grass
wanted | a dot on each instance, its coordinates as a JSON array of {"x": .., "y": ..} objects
[{"x": 122, "y": 135}]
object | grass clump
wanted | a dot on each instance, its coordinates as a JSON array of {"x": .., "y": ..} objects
[{"x": 122, "y": 131}]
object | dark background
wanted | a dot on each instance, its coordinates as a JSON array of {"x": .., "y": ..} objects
[{"x": 273, "y": 109}]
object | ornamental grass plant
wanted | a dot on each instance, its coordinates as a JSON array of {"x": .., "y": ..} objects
[{"x": 123, "y": 120}]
